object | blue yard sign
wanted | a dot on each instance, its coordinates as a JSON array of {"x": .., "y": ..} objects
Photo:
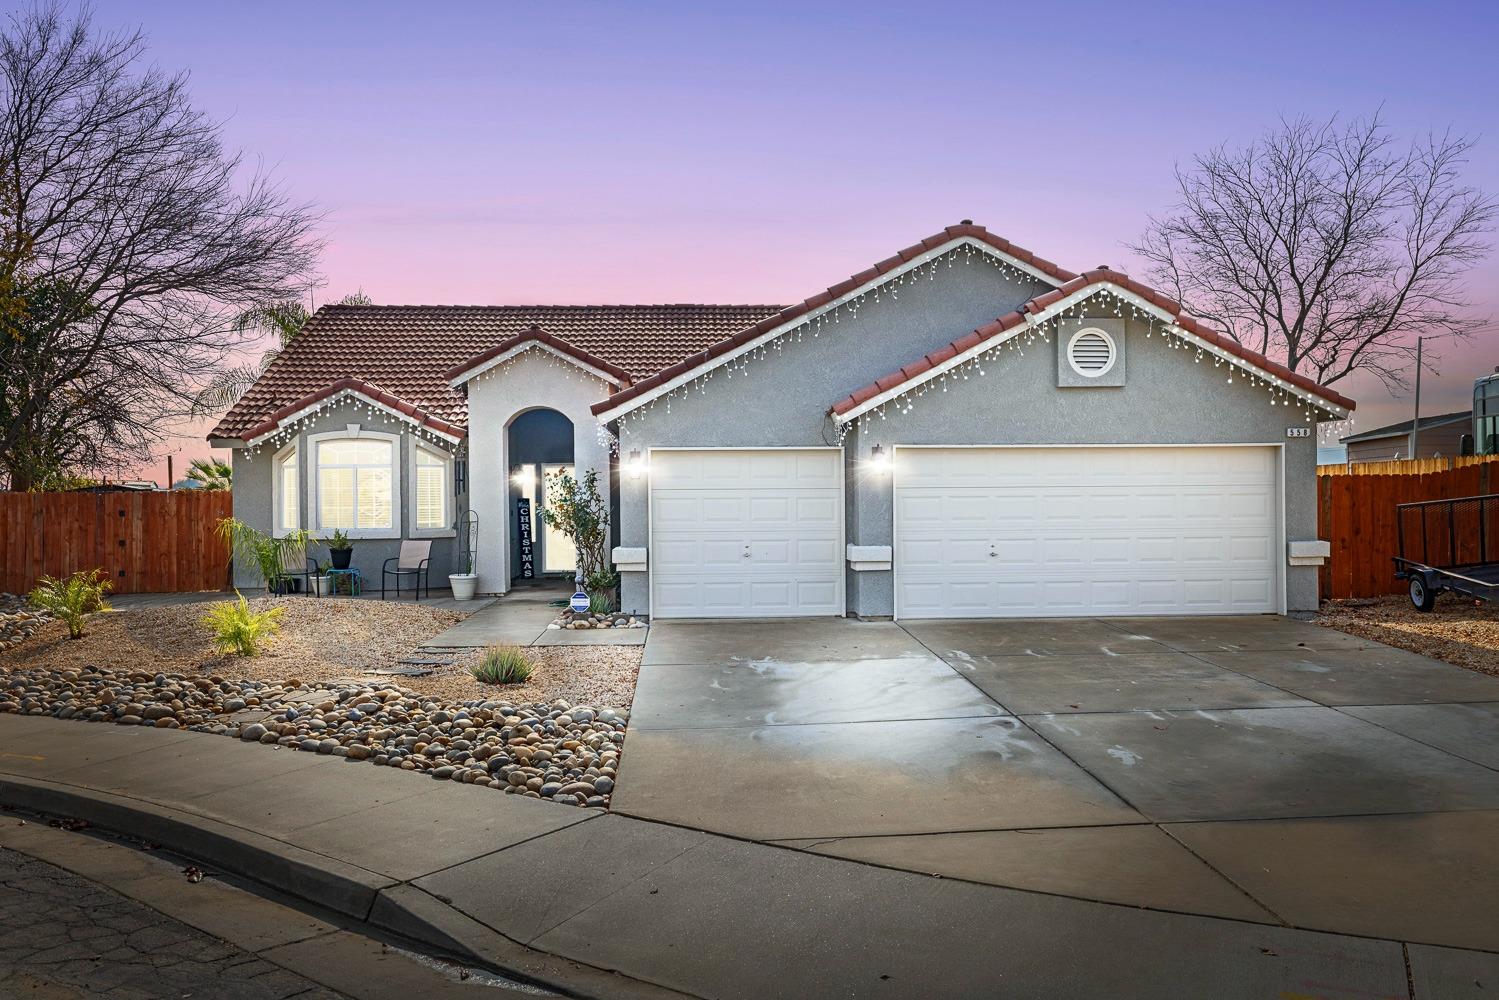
[{"x": 579, "y": 603}]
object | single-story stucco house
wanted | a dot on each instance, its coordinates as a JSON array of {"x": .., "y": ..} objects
[{"x": 962, "y": 430}]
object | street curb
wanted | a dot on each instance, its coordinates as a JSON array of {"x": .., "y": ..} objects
[
  {"x": 328, "y": 882},
  {"x": 354, "y": 892}
]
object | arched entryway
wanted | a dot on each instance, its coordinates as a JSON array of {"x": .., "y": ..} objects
[{"x": 539, "y": 444}]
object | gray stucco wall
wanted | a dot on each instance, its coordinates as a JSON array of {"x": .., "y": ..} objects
[
  {"x": 253, "y": 496},
  {"x": 781, "y": 399},
  {"x": 1168, "y": 399}
]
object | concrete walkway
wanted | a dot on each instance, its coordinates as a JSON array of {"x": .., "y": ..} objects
[
  {"x": 521, "y": 617},
  {"x": 608, "y": 906}
]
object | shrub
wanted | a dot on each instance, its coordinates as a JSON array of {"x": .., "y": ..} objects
[
  {"x": 580, "y": 510},
  {"x": 502, "y": 665},
  {"x": 237, "y": 629},
  {"x": 269, "y": 555},
  {"x": 600, "y": 604},
  {"x": 74, "y": 599}
]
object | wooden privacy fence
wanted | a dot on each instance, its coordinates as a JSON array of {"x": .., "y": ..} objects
[
  {"x": 145, "y": 542},
  {"x": 1356, "y": 514},
  {"x": 1404, "y": 466}
]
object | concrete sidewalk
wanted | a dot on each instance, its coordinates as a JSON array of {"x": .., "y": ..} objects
[{"x": 602, "y": 905}]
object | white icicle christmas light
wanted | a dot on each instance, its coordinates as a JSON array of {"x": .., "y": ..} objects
[
  {"x": 1238, "y": 371},
  {"x": 812, "y": 324}
]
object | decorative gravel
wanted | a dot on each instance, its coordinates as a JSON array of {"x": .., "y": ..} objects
[
  {"x": 324, "y": 641},
  {"x": 558, "y": 751},
  {"x": 556, "y": 736},
  {"x": 1457, "y": 630}
]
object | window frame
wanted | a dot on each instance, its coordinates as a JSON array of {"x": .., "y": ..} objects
[
  {"x": 279, "y": 527},
  {"x": 312, "y": 466},
  {"x": 449, "y": 499}
]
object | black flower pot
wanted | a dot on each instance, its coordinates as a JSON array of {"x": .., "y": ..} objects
[{"x": 341, "y": 557}]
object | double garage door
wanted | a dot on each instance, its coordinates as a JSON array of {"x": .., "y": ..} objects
[
  {"x": 999, "y": 532},
  {"x": 979, "y": 532}
]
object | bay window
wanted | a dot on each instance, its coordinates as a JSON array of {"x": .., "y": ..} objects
[{"x": 357, "y": 483}]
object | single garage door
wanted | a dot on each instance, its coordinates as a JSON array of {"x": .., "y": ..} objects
[
  {"x": 1000, "y": 532},
  {"x": 740, "y": 534}
]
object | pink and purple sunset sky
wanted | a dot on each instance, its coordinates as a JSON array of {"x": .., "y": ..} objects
[{"x": 517, "y": 153}]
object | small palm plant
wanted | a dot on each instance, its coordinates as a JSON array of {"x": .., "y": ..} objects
[
  {"x": 502, "y": 665},
  {"x": 237, "y": 629},
  {"x": 269, "y": 555},
  {"x": 72, "y": 600}
]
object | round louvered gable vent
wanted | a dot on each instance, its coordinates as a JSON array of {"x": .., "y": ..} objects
[{"x": 1091, "y": 353}]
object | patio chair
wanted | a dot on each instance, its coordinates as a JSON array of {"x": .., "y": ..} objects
[
  {"x": 300, "y": 566},
  {"x": 410, "y": 564}
]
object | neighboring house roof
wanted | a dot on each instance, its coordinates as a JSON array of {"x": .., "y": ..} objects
[
  {"x": 992, "y": 334},
  {"x": 772, "y": 326},
  {"x": 1403, "y": 428},
  {"x": 535, "y": 337},
  {"x": 406, "y": 351}
]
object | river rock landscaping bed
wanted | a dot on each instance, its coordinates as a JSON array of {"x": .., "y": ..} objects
[
  {"x": 558, "y": 751},
  {"x": 1456, "y": 630},
  {"x": 584, "y": 620},
  {"x": 19, "y": 621}
]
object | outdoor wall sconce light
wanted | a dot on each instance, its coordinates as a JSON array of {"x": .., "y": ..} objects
[
  {"x": 879, "y": 462},
  {"x": 636, "y": 465}
]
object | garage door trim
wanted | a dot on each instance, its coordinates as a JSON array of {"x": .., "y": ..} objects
[
  {"x": 1279, "y": 583},
  {"x": 841, "y": 576}
]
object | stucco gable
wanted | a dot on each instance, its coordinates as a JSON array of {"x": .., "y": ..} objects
[
  {"x": 1037, "y": 317},
  {"x": 815, "y": 312}
]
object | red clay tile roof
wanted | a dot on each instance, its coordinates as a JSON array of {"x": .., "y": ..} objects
[
  {"x": 1009, "y": 321},
  {"x": 537, "y": 335},
  {"x": 407, "y": 409},
  {"x": 406, "y": 350},
  {"x": 822, "y": 298}
]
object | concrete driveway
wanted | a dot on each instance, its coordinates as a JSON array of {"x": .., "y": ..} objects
[{"x": 1255, "y": 768}]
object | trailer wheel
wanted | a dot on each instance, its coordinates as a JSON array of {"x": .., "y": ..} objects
[{"x": 1422, "y": 596}]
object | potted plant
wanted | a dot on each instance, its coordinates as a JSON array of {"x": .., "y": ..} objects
[
  {"x": 320, "y": 582},
  {"x": 465, "y": 556},
  {"x": 340, "y": 549}
]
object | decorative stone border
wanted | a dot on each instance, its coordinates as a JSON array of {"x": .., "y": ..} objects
[
  {"x": 18, "y": 620},
  {"x": 573, "y": 620}
]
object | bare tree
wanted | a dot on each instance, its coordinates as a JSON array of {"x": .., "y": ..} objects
[
  {"x": 149, "y": 238},
  {"x": 1326, "y": 246}
]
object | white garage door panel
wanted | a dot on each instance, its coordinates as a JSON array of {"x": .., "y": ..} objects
[
  {"x": 997, "y": 532},
  {"x": 746, "y": 533}
]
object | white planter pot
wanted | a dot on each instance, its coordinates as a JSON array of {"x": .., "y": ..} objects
[
  {"x": 464, "y": 585},
  {"x": 320, "y": 585}
]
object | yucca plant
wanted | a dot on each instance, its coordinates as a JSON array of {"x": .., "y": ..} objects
[
  {"x": 502, "y": 665},
  {"x": 237, "y": 629},
  {"x": 600, "y": 604},
  {"x": 72, "y": 600}
]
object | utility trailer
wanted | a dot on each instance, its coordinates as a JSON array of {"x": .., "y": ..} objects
[{"x": 1448, "y": 545}]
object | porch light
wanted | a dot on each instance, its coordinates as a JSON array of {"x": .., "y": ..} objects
[
  {"x": 525, "y": 478},
  {"x": 636, "y": 465},
  {"x": 879, "y": 462}
]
